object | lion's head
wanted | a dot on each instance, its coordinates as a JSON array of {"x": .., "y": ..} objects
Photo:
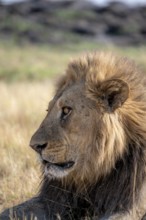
[{"x": 99, "y": 107}]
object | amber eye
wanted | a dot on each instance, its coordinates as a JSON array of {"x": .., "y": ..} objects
[{"x": 65, "y": 112}]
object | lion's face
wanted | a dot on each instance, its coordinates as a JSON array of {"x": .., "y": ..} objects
[
  {"x": 64, "y": 139},
  {"x": 83, "y": 134}
]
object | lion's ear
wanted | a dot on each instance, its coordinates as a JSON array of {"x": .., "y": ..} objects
[{"x": 114, "y": 93}]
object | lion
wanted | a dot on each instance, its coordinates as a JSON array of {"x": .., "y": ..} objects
[{"x": 92, "y": 144}]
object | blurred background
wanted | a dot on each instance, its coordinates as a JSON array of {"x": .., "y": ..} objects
[{"x": 37, "y": 40}]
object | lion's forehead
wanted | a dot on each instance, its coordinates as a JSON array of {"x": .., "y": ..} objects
[{"x": 74, "y": 95}]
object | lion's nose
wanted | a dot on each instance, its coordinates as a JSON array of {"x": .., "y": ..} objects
[{"x": 38, "y": 147}]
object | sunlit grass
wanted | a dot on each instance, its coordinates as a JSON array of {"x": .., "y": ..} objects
[
  {"x": 28, "y": 63},
  {"x": 23, "y": 106}
]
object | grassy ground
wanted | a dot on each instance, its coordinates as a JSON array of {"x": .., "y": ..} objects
[
  {"x": 25, "y": 92},
  {"x": 27, "y": 62},
  {"x": 22, "y": 108}
]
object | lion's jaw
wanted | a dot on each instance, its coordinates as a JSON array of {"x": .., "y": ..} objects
[
  {"x": 57, "y": 170},
  {"x": 55, "y": 164}
]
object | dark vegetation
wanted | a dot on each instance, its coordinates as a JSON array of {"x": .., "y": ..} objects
[{"x": 56, "y": 22}]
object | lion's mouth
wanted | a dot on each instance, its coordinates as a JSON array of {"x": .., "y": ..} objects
[
  {"x": 57, "y": 170},
  {"x": 65, "y": 165}
]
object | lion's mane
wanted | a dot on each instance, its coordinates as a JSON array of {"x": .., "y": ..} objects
[{"x": 113, "y": 184}]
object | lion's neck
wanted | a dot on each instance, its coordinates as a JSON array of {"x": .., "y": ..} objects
[{"x": 118, "y": 190}]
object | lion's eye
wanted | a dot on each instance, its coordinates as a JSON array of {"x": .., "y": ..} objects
[{"x": 65, "y": 112}]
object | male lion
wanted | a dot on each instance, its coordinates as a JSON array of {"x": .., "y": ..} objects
[{"x": 92, "y": 144}]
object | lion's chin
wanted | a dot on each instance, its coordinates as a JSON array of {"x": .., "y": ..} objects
[{"x": 58, "y": 170}]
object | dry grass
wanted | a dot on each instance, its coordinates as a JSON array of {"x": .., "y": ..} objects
[{"x": 22, "y": 109}]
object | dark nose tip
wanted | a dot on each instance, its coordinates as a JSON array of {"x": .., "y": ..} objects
[{"x": 38, "y": 147}]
